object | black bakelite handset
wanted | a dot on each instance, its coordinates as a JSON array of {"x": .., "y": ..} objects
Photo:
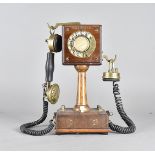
[
  {"x": 55, "y": 45},
  {"x": 49, "y": 67}
]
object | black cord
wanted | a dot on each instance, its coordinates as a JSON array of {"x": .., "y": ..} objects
[
  {"x": 118, "y": 100},
  {"x": 49, "y": 78},
  {"x": 25, "y": 127}
]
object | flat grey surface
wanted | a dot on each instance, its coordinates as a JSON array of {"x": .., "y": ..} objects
[{"x": 128, "y": 31}]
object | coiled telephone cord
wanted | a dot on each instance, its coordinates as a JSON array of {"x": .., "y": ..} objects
[
  {"x": 118, "y": 100},
  {"x": 25, "y": 127}
]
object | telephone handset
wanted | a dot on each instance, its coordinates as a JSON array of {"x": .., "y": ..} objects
[{"x": 81, "y": 47}]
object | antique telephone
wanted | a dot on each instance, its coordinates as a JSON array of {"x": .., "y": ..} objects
[{"x": 81, "y": 47}]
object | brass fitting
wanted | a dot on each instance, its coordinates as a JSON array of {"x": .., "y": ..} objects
[
  {"x": 52, "y": 93},
  {"x": 112, "y": 74}
]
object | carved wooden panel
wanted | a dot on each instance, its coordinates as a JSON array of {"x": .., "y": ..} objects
[{"x": 69, "y": 121}]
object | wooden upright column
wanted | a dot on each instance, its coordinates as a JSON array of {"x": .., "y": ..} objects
[
  {"x": 81, "y": 118},
  {"x": 81, "y": 100}
]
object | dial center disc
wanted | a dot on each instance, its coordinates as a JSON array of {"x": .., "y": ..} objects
[{"x": 81, "y": 43}]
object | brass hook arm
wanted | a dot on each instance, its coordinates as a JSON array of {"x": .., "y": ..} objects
[
  {"x": 110, "y": 62},
  {"x": 106, "y": 57},
  {"x": 51, "y": 27}
]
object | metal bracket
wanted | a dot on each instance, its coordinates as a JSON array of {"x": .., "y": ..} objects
[{"x": 51, "y": 27}]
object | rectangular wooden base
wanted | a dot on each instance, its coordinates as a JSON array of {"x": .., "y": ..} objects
[{"x": 93, "y": 121}]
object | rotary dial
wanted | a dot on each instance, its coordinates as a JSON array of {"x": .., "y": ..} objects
[{"x": 81, "y": 44}]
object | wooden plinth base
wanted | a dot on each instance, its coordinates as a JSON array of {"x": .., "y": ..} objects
[
  {"x": 90, "y": 131},
  {"x": 92, "y": 121}
]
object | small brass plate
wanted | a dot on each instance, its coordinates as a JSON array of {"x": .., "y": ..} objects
[{"x": 53, "y": 93}]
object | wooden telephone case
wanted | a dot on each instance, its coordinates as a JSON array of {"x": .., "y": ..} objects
[{"x": 82, "y": 118}]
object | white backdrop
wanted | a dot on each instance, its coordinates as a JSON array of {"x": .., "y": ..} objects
[{"x": 128, "y": 31}]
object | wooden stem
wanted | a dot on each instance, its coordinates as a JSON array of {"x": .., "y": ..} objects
[{"x": 81, "y": 100}]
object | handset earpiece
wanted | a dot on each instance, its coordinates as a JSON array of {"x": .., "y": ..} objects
[{"x": 54, "y": 43}]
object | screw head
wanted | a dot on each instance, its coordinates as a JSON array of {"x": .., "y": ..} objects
[{"x": 67, "y": 59}]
